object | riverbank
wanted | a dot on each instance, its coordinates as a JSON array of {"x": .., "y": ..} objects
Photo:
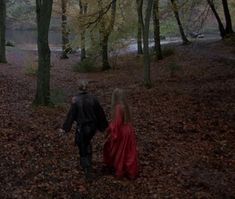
[{"x": 27, "y": 40}]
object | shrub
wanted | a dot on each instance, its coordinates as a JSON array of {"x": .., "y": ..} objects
[
  {"x": 166, "y": 52},
  {"x": 87, "y": 65},
  {"x": 10, "y": 44}
]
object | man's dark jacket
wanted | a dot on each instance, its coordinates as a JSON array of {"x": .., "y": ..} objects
[{"x": 85, "y": 109}]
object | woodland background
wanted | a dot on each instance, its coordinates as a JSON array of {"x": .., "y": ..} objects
[{"x": 180, "y": 85}]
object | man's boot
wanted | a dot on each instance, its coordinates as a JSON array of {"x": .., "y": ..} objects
[
  {"x": 88, "y": 174},
  {"x": 89, "y": 154},
  {"x": 85, "y": 164}
]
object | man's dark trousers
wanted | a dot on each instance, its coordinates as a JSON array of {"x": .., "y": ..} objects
[{"x": 83, "y": 139}]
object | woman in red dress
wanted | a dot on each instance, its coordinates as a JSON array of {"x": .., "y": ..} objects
[{"x": 120, "y": 150}]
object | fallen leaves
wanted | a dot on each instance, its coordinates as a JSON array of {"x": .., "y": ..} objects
[{"x": 184, "y": 130}]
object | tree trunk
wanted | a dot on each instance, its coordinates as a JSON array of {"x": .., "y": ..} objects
[
  {"x": 83, "y": 10},
  {"x": 145, "y": 26},
  {"x": 105, "y": 33},
  {"x": 220, "y": 24},
  {"x": 139, "y": 4},
  {"x": 43, "y": 9},
  {"x": 2, "y": 31},
  {"x": 176, "y": 13},
  {"x": 229, "y": 28},
  {"x": 65, "y": 38},
  {"x": 83, "y": 46},
  {"x": 105, "y": 60},
  {"x": 156, "y": 24}
]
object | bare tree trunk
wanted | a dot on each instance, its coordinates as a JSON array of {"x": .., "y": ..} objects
[
  {"x": 103, "y": 42},
  {"x": 2, "y": 31},
  {"x": 83, "y": 10},
  {"x": 156, "y": 24},
  {"x": 220, "y": 24},
  {"x": 145, "y": 26},
  {"x": 139, "y": 4},
  {"x": 105, "y": 57},
  {"x": 65, "y": 35},
  {"x": 176, "y": 12},
  {"x": 43, "y": 9},
  {"x": 229, "y": 28}
]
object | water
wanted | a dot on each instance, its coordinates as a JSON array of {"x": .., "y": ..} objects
[
  {"x": 30, "y": 36},
  {"x": 27, "y": 40}
]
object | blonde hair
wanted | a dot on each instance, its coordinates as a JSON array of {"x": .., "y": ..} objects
[{"x": 119, "y": 97}]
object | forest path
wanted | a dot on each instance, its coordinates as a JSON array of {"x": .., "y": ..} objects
[{"x": 184, "y": 127}]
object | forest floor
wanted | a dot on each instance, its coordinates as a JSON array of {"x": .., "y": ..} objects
[{"x": 185, "y": 127}]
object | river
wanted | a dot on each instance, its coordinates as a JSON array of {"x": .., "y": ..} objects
[{"x": 27, "y": 40}]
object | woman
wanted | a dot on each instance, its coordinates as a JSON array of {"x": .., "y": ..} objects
[{"x": 120, "y": 147}]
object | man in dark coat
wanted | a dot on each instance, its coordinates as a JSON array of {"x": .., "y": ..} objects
[{"x": 90, "y": 117}]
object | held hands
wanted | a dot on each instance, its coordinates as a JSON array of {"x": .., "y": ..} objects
[{"x": 61, "y": 132}]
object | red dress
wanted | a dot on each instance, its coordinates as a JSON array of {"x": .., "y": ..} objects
[{"x": 120, "y": 148}]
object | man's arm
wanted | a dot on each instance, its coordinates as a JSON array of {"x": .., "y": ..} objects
[{"x": 71, "y": 116}]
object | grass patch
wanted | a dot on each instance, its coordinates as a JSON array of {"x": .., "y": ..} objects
[
  {"x": 31, "y": 69},
  {"x": 86, "y": 66}
]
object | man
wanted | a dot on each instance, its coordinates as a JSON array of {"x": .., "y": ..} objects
[{"x": 90, "y": 117}]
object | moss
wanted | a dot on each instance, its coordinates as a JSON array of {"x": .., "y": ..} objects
[{"x": 31, "y": 69}]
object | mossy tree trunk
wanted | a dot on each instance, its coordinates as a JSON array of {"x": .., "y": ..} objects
[
  {"x": 156, "y": 25},
  {"x": 145, "y": 27},
  {"x": 65, "y": 33},
  {"x": 2, "y": 31},
  {"x": 43, "y": 10},
  {"x": 105, "y": 32},
  {"x": 105, "y": 57}
]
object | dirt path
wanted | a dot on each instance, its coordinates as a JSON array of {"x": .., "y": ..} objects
[{"x": 184, "y": 125}]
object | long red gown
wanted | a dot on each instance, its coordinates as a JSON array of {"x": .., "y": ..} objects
[{"x": 120, "y": 148}]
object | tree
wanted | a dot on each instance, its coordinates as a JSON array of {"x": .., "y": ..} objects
[
  {"x": 220, "y": 24},
  {"x": 83, "y": 11},
  {"x": 65, "y": 35},
  {"x": 2, "y": 31},
  {"x": 43, "y": 11},
  {"x": 228, "y": 29},
  {"x": 145, "y": 28},
  {"x": 105, "y": 31},
  {"x": 176, "y": 13},
  {"x": 156, "y": 24},
  {"x": 139, "y": 5}
]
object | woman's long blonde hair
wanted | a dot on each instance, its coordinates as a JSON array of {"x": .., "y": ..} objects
[{"x": 119, "y": 97}]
